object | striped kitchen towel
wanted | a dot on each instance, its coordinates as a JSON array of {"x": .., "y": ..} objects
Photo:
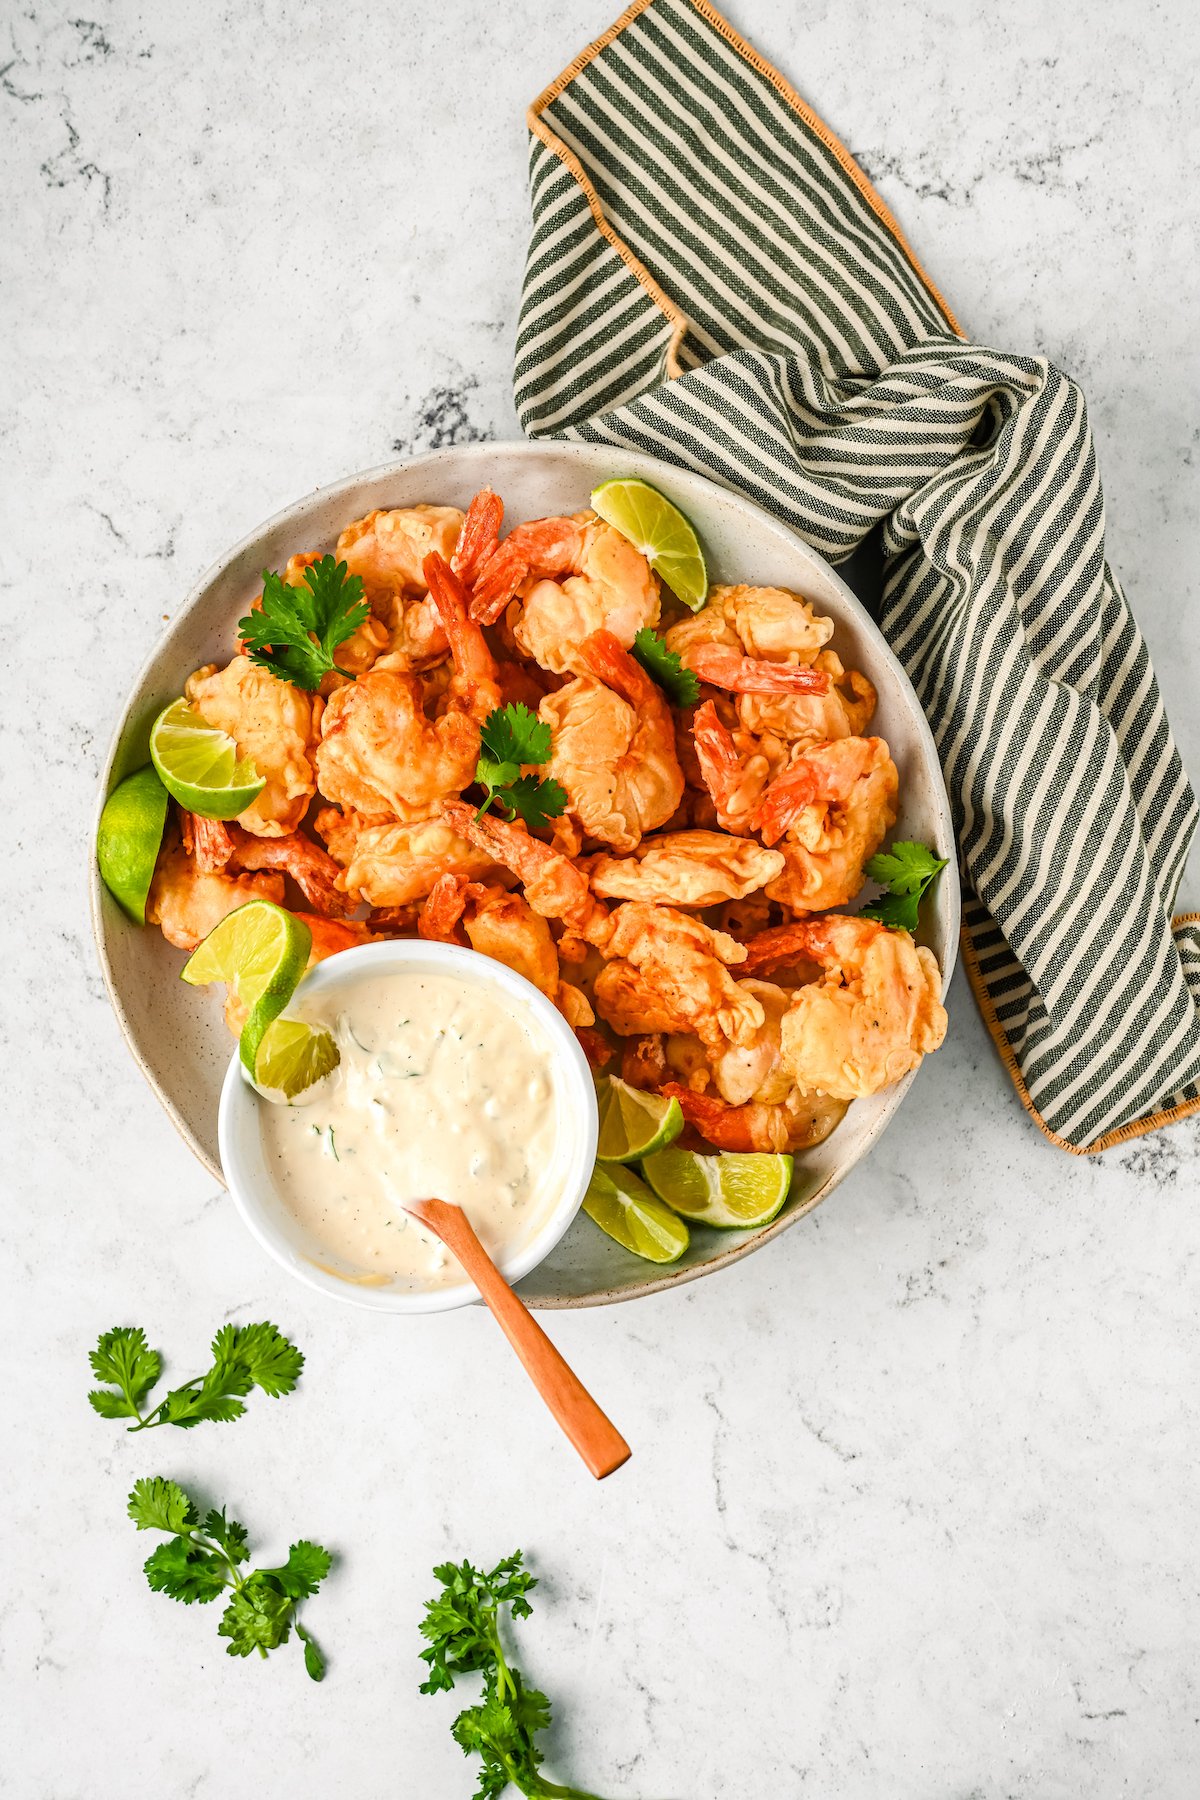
[{"x": 712, "y": 279}]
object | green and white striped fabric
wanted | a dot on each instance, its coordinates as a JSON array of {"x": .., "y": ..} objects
[{"x": 712, "y": 280}]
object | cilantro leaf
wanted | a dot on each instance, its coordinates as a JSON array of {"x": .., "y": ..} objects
[
  {"x": 258, "y": 1617},
  {"x": 123, "y": 1358},
  {"x": 244, "y": 1357},
  {"x": 272, "y": 1363},
  {"x": 314, "y": 1661},
  {"x": 907, "y": 872},
  {"x": 228, "y": 1534},
  {"x": 294, "y": 631},
  {"x": 160, "y": 1505},
  {"x": 462, "y": 1626},
  {"x": 680, "y": 685},
  {"x": 537, "y": 802},
  {"x": 203, "y": 1559},
  {"x": 510, "y": 739},
  {"x": 185, "y": 1571},
  {"x": 514, "y": 734},
  {"x": 304, "y": 1571}
]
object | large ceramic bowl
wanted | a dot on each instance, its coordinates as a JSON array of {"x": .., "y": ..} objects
[{"x": 176, "y": 1032}]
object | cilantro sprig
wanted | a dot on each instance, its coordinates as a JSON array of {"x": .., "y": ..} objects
[
  {"x": 680, "y": 685},
  {"x": 907, "y": 871},
  {"x": 295, "y": 630},
  {"x": 244, "y": 1357},
  {"x": 510, "y": 740},
  {"x": 462, "y": 1626},
  {"x": 204, "y": 1558}
]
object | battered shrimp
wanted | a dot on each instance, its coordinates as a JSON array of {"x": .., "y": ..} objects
[
  {"x": 379, "y": 752},
  {"x": 663, "y": 970},
  {"x": 844, "y": 710},
  {"x": 504, "y": 926},
  {"x": 796, "y": 1123},
  {"x": 873, "y": 1015},
  {"x": 836, "y": 802},
  {"x": 388, "y": 550},
  {"x": 275, "y": 725},
  {"x": 312, "y": 869},
  {"x": 574, "y": 576},
  {"x": 736, "y": 767},
  {"x": 613, "y": 746},
  {"x": 686, "y": 868},
  {"x": 765, "y": 623},
  {"x": 186, "y": 902},
  {"x": 391, "y": 865}
]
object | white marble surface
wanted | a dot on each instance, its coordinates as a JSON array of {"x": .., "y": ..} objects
[{"x": 913, "y": 1506}]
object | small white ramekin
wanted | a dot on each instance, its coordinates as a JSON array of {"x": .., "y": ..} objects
[{"x": 254, "y": 1193}]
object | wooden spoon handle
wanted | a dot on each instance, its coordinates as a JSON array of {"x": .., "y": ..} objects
[{"x": 591, "y": 1431}]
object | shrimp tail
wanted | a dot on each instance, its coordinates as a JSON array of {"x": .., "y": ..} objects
[
  {"x": 749, "y": 1127},
  {"x": 479, "y": 536},
  {"x": 209, "y": 841},
  {"x": 716, "y": 753},
  {"x": 553, "y": 885},
  {"x": 312, "y": 869},
  {"x": 723, "y": 667},
  {"x": 443, "y": 910},
  {"x": 605, "y": 657}
]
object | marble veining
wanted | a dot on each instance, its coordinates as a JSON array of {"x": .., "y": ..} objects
[{"x": 913, "y": 1499}]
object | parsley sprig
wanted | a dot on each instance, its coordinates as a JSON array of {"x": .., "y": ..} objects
[
  {"x": 513, "y": 738},
  {"x": 907, "y": 871},
  {"x": 204, "y": 1558},
  {"x": 244, "y": 1357},
  {"x": 680, "y": 685},
  {"x": 462, "y": 1625},
  {"x": 295, "y": 630}
]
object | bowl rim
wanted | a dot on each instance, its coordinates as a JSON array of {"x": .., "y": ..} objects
[
  {"x": 579, "y": 1115},
  {"x": 634, "y": 462}
]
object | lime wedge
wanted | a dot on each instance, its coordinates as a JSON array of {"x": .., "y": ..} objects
[
  {"x": 199, "y": 765},
  {"x": 260, "y": 952},
  {"x": 733, "y": 1192},
  {"x": 632, "y": 1123},
  {"x": 660, "y": 531},
  {"x": 624, "y": 1207},
  {"x": 293, "y": 1055},
  {"x": 129, "y": 838}
]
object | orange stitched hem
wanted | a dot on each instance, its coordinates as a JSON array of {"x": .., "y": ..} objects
[
  {"x": 1123, "y": 1133},
  {"x": 786, "y": 91}
]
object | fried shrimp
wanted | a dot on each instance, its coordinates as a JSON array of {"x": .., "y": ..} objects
[
  {"x": 796, "y": 1123},
  {"x": 504, "y": 926},
  {"x": 380, "y": 753},
  {"x": 187, "y": 902},
  {"x": 735, "y": 767},
  {"x": 613, "y": 746},
  {"x": 765, "y": 623},
  {"x": 875, "y": 1012},
  {"x": 272, "y": 723},
  {"x": 845, "y": 709},
  {"x": 573, "y": 576},
  {"x": 685, "y": 868},
  {"x": 836, "y": 803},
  {"x": 391, "y": 865},
  {"x": 387, "y": 550},
  {"x": 663, "y": 970}
]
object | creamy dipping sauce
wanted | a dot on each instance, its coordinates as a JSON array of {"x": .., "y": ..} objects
[{"x": 445, "y": 1088}]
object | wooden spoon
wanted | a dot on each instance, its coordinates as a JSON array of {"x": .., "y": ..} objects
[{"x": 593, "y": 1434}]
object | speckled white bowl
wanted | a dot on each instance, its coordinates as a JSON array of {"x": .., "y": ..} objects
[
  {"x": 176, "y": 1032},
  {"x": 254, "y": 1193}
]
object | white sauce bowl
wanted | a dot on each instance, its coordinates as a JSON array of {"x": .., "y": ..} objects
[{"x": 263, "y": 1209}]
